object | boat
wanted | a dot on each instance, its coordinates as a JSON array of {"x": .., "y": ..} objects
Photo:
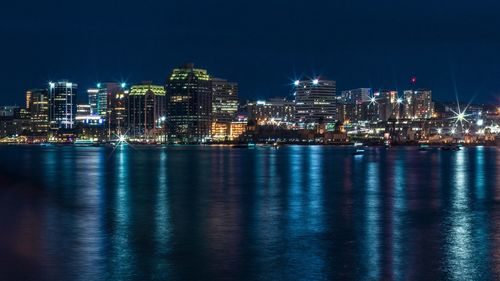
[{"x": 84, "y": 143}]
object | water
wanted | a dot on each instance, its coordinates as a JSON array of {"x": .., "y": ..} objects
[{"x": 214, "y": 213}]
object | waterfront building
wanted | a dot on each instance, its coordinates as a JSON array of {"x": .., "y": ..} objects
[
  {"x": 272, "y": 111},
  {"x": 39, "y": 108},
  {"x": 62, "y": 104},
  {"x": 315, "y": 101},
  {"x": 389, "y": 105},
  {"x": 418, "y": 104},
  {"x": 17, "y": 124},
  {"x": 146, "y": 111},
  {"x": 189, "y": 104},
  {"x": 93, "y": 94},
  {"x": 111, "y": 106},
  {"x": 224, "y": 100}
]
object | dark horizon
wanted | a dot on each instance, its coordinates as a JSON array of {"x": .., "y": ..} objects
[{"x": 449, "y": 46}]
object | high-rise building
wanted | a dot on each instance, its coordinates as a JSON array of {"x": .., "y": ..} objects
[
  {"x": 146, "y": 111},
  {"x": 224, "y": 100},
  {"x": 418, "y": 104},
  {"x": 62, "y": 104},
  {"x": 315, "y": 101},
  {"x": 111, "y": 106},
  {"x": 39, "y": 108},
  {"x": 93, "y": 97},
  {"x": 389, "y": 105},
  {"x": 271, "y": 111},
  {"x": 189, "y": 104},
  {"x": 354, "y": 103},
  {"x": 28, "y": 100}
]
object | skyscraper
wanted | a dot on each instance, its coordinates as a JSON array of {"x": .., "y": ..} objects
[
  {"x": 224, "y": 100},
  {"x": 111, "y": 106},
  {"x": 354, "y": 103},
  {"x": 389, "y": 105},
  {"x": 146, "y": 110},
  {"x": 93, "y": 97},
  {"x": 189, "y": 104},
  {"x": 62, "y": 101},
  {"x": 39, "y": 108},
  {"x": 418, "y": 104},
  {"x": 315, "y": 101}
]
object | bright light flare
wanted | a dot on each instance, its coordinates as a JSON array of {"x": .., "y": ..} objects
[{"x": 315, "y": 81}]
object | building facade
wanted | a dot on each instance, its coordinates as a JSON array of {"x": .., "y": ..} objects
[
  {"x": 62, "y": 105},
  {"x": 189, "y": 105},
  {"x": 315, "y": 101},
  {"x": 39, "y": 108},
  {"x": 146, "y": 111},
  {"x": 418, "y": 104},
  {"x": 224, "y": 100},
  {"x": 271, "y": 111},
  {"x": 111, "y": 103}
]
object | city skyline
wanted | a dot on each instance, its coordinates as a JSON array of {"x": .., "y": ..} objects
[{"x": 449, "y": 46}]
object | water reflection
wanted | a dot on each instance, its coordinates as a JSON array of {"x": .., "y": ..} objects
[{"x": 298, "y": 213}]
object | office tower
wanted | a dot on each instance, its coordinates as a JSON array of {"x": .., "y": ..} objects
[
  {"x": 62, "y": 105},
  {"x": 39, "y": 108},
  {"x": 146, "y": 111},
  {"x": 418, "y": 104},
  {"x": 271, "y": 111},
  {"x": 224, "y": 100},
  {"x": 315, "y": 101},
  {"x": 189, "y": 104},
  {"x": 28, "y": 100},
  {"x": 93, "y": 97},
  {"x": 354, "y": 103},
  {"x": 389, "y": 105},
  {"x": 111, "y": 106}
]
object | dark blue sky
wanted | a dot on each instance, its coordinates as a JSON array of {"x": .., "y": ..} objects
[{"x": 260, "y": 44}]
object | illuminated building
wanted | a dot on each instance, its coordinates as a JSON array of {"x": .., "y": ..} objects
[
  {"x": 111, "y": 106},
  {"x": 28, "y": 99},
  {"x": 8, "y": 111},
  {"x": 315, "y": 101},
  {"x": 389, "y": 105},
  {"x": 39, "y": 108},
  {"x": 224, "y": 100},
  {"x": 418, "y": 104},
  {"x": 353, "y": 102},
  {"x": 83, "y": 110},
  {"x": 62, "y": 104},
  {"x": 146, "y": 107},
  {"x": 93, "y": 98},
  {"x": 271, "y": 112},
  {"x": 228, "y": 131},
  {"x": 237, "y": 129},
  {"x": 189, "y": 105}
]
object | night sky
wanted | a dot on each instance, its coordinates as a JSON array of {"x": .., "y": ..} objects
[{"x": 263, "y": 45}]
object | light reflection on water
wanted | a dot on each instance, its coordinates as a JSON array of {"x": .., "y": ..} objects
[{"x": 212, "y": 213}]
